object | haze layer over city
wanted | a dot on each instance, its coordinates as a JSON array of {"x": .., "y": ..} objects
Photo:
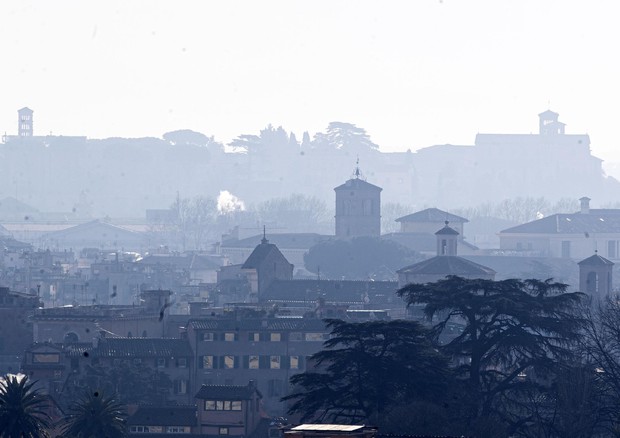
[{"x": 281, "y": 219}]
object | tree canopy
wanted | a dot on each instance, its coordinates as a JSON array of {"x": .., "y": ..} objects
[
  {"x": 360, "y": 258},
  {"x": 95, "y": 415},
  {"x": 366, "y": 369},
  {"x": 499, "y": 333}
]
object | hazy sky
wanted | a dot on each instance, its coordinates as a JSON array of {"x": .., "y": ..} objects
[{"x": 412, "y": 73}]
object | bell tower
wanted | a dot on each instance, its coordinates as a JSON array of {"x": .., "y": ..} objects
[
  {"x": 24, "y": 122},
  {"x": 358, "y": 208}
]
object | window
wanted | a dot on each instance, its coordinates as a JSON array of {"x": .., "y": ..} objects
[
  {"x": 229, "y": 337},
  {"x": 274, "y": 362},
  {"x": 207, "y": 361},
  {"x": 178, "y": 429},
  {"x": 161, "y": 362},
  {"x": 566, "y": 249},
  {"x": 181, "y": 386},
  {"x": 207, "y": 336},
  {"x": 46, "y": 357},
  {"x": 253, "y": 362},
  {"x": 612, "y": 249},
  {"x": 254, "y": 337},
  {"x": 182, "y": 363},
  {"x": 229, "y": 362},
  {"x": 294, "y": 362},
  {"x": 223, "y": 431},
  {"x": 222, "y": 405},
  {"x": 315, "y": 337},
  {"x": 275, "y": 337},
  {"x": 137, "y": 361},
  {"x": 295, "y": 336}
]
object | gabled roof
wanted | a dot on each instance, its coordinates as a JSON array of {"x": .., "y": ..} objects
[
  {"x": 330, "y": 290},
  {"x": 357, "y": 184},
  {"x": 596, "y": 221},
  {"x": 260, "y": 253},
  {"x": 595, "y": 260},
  {"x": 447, "y": 265},
  {"x": 447, "y": 230},
  {"x": 432, "y": 215},
  {"x": 94, "y": 225},
  {"x": 548, "y": 113},
  {"x": 142, "y": 347},
  {"x": 164, "y": 416},
  {"x": 227, "y": 392}
]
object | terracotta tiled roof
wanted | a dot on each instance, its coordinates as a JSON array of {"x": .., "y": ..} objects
[
  {"x": 596, "y": 221},
  {"x": 357, "y": 184},
  {"x": 330, "y": 290}
]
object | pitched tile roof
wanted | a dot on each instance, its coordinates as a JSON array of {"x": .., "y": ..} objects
[
  {"x": 595, "y": 260},
  {"x": 447, "y": 265},
  {"x": 260, "y": 253},
  {"x": 431, "y": 215},
  {"x": 143, "y": 347},
  {"x": 357, "y": 184},
  {"x": 164, "y": 416},
  {"x": 227, "y": 392},
  {"x": 596, "y": 221}
]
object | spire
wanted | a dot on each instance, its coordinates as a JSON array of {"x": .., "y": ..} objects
[
  {"x": 357, "y": 173},
  {"x": 264, "y": 239}
]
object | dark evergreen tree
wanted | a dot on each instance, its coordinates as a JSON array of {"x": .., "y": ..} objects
[
  {"x": 23, "y": 411},
  {"x": 366, "y": 369},
  {"x": 505, "y": 337}
]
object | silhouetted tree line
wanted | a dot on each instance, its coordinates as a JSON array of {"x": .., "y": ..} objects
[{"x": 510, "y": 358}]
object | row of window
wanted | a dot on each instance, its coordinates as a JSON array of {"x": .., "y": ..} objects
[
  {"x": 222, "y": 405},
  {"x": 160, "y": 429},
  {"x": 264, "y": 336},
  {"x": 160, "y": 362},
  {"x": 251, "y": 362}
]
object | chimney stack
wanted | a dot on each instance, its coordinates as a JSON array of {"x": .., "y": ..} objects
[{"x": 585, "y": 205}]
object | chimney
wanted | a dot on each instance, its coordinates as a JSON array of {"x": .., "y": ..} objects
[{"x": 585, "y": 205}]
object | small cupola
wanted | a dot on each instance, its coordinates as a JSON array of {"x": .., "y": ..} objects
[{"x": 446, "y": 241}]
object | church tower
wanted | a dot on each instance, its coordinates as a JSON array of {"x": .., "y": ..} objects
[
  {"x": 446, "y": 241},
  {"x": 595, "y": 276},
  {"x": 24, "y": 122},
  {"x": 358, "y": 208}
]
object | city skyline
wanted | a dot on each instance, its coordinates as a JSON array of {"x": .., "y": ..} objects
[{"x": 412, "y": 75}]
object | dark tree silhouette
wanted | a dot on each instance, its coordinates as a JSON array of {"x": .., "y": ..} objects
[
  {"x": 513, "y": 333},
  {"x": 366, "y": 369},
  {"x": 94, "y": 415},
  {"x": 22, "y": 409}
]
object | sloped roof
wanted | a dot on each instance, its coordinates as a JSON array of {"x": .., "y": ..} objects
[
  {"x": 92, "y": 225},
  {"x": 432, "y": 215},
  {"x": 281, "y": 240},
  {"x": 331, "y": 290},
  {"x": 357, "y": 184},
  {"x": 227, "y": 392},
  {"x": 164, "y": 416},
  {"x": 595, "y": 260},
  {"x": 9, "y": 243},
  {"x": 447, "y": 265},
  {"x": 12, "y": 205},
  {"x": 260, "y": 253},
  {"x": 596, "y": 221},
  {"x": 143, "y": 347},
  {"x": 447, "y": 230}
]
